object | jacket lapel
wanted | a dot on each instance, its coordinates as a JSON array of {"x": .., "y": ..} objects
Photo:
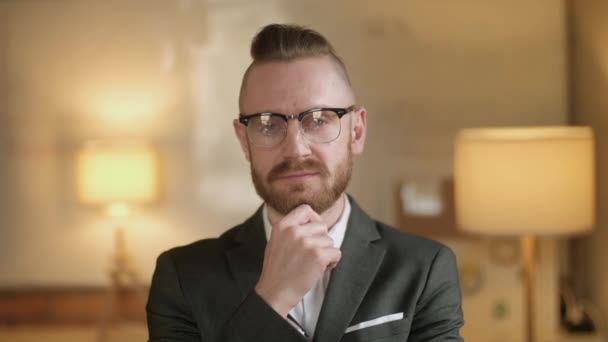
[
  {"x": 247, "y": 257},
  {"x": 352, "y": 277},
  {"x": 349, "y": 281}
]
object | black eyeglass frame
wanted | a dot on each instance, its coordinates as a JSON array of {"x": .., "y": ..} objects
[{"x": 244, "y": 118}]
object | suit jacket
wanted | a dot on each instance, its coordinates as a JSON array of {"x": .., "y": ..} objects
[{"x": 204, "y": 291}]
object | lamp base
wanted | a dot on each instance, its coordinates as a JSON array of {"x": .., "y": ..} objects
[
  {"x": 123, "y": 277},
  {"x": 528, "y": 250}
]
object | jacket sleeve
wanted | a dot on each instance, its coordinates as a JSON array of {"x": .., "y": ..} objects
[
  {"x": 255, "y": 320},
  {"x": 171, "y": 319},
  {"x": 438, "y": 315},
  {"x": 169, "y": 314}
]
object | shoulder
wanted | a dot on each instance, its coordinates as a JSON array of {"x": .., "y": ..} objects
[
  {"x": 410, "y": 247},
  {"x": 202, "y": 253},
  {"x": 402, "y": 249}
]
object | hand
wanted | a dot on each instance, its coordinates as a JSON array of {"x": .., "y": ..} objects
[{"x": 299, "y": 251}]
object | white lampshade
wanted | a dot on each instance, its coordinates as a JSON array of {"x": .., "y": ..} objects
[
  {"x": 519, "y": 181},
  {"x": 108, "y": 173}
]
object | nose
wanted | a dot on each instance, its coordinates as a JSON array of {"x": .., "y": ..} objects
[{"x": 295, "y": 144}]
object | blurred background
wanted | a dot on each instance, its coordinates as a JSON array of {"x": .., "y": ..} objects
[{"x": 148, "y": 90}]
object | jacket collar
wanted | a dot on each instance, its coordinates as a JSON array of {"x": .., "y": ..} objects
[{"x": 349, "y": 282}]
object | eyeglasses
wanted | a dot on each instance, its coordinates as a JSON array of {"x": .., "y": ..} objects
[{"x": 319, "y": 126}]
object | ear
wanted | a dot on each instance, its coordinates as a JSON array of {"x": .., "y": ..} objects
[
  {"x": 358, "y": 130},
  {"x": 241, "y": 133}
]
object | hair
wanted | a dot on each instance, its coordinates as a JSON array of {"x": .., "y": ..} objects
[
  {"x": 283, "y": 42},
  {"x": 286, "y": 42}
]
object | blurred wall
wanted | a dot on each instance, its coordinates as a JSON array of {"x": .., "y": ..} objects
[
  {"x": 76, "y": 71},
  {"x": 590, "y": 107},
  {"x": 169, "y": 72}
]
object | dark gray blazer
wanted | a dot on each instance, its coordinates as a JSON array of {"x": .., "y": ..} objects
[{"x": 204, "y": 291}]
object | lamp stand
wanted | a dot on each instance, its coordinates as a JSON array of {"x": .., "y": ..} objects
[
  {"x": 123, "y": 276},
  {"x": 528, "y": 253}
]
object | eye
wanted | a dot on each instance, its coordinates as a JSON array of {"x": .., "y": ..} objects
[
  {"x": 267, "y": 130},
  {"x": 268, "y": 125},
  {"x": 318, "y": 120},
  {"x": 323, "y": 118}
]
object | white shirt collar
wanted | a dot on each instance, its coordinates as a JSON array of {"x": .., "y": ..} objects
[{"x": 336, "y": 232}]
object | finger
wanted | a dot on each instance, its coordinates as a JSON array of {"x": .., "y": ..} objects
[
  {"x": 300, "y": 215},
  {"x": 334, "y": 255},
  {"x": 318, "y": 241},
  {"x": 330, "y": 255},
  {"x": 331, "y": 266},
  {"x": 299, "y": 233},
  {"x": 313, "y": 228}
]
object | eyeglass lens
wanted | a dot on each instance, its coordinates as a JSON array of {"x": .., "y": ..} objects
[{"x": 319, "y": 127}]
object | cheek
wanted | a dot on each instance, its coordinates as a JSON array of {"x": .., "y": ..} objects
[
  {"x": 261, "y": 161},
  {"x": 332, "y": 155}
]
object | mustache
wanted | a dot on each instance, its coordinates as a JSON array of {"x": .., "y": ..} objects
[{"x": 294, "y": 165}]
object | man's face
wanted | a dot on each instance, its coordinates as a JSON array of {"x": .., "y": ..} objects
[{"x": 297, "y": 171}]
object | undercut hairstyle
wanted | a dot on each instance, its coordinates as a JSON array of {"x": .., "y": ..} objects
[{"x": 285, "y": 43}]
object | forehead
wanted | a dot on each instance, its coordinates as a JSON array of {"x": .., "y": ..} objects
[{"x": 295, "y": 86}]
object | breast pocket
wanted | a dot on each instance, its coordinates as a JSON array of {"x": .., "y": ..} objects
[{"x": 393, "y": 331}]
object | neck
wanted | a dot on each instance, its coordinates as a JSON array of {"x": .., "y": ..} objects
[{"x": 329, "y": 217}]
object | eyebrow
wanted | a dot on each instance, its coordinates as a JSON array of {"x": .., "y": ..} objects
[{"x": 282, "y": 112}]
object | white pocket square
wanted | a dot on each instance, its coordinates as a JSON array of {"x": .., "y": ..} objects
[{"x": 379, "y": 320}]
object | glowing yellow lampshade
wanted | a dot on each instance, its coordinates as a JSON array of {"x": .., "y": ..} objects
[
  {"x": 514, "y": 181},
  {"x": 110, "y": 173}
]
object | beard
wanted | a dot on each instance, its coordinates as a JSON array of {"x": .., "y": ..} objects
[{"x": 285, "y": 198}]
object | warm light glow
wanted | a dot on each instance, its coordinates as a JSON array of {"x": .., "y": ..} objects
[
  {"x": 118, "y": 210},
  {"x": 131, "y": 100},
  {"x": 111, "y": 172},
  {"x": 124, "y": 107},
  {"x": 513, "y": 181}
]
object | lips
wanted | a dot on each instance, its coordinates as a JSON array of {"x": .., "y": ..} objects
[
  {"x": 296, "y": 175},
  {"x": 293, "y": 169}
]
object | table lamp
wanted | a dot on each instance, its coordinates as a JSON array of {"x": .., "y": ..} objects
[
  {"x": 525, "y": 182},
  {"x": 117, "y": 176}
]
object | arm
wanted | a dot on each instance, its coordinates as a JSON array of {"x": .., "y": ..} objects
[
  {"x": 438, "y": 315},
  {"x": 170, "y": 316},
  {"x": 255, "y": 320}
]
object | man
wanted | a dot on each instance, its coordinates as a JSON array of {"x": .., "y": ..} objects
[{"x": 309, "y": 265}]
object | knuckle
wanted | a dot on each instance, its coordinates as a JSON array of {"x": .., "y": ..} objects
[
  {"x": 303, "y": 208},
  {"x": 318, "y": 228},
  {"x": 306, "y": 207},
  {"x": 283, "y": 224},
  {"x": 318, "y": 254},
  {"x": 307, "y": 243},
  {"x": 293, "y": 233},
  {"x": 321, "y": 227}
]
